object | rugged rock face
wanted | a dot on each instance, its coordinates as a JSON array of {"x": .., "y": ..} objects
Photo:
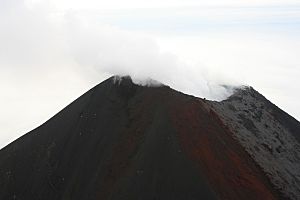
[
  {"x": 268, "y": 134},
  {"x": 124, "y": 141}
]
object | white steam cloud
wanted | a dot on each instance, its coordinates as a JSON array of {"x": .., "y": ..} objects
[
  {"x": 106, "y": 49},
  {"x": 38, "y": 41}
]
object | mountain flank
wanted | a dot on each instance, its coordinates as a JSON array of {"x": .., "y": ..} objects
[{"x": 125, "y": 141}]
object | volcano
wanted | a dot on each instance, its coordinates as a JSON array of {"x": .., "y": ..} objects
[{"x": 123, "y": 141}]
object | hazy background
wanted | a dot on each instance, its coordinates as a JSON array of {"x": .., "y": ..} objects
[{"x": 53, "y": 51}]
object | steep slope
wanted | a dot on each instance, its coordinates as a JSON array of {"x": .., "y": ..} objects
[
  {"x": 124, "y": 141},
  {"x": 268, "y": 134}
]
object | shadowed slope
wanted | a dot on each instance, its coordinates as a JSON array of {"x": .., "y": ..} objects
[{"x": 124, "y": 141}]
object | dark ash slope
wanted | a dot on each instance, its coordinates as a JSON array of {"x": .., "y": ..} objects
[{"x": 123, "y": 141}]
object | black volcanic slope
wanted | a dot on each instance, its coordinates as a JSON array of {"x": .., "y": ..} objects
[{"x": 124, "y": 141}]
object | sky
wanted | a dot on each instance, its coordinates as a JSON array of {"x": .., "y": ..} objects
[{"x": 52, "y": 51}]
